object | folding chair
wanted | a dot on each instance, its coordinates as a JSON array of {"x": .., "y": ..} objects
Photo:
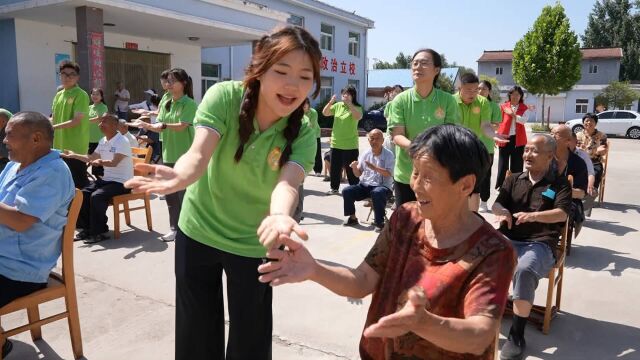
[{"x": 603, "y": 181}]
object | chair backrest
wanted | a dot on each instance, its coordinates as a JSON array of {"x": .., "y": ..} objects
[
  {"x": 67, "y": 237},
  {"x": 141, "y": 156}
]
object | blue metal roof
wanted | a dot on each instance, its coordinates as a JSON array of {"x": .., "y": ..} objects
[{"x": 379, "y": 78}]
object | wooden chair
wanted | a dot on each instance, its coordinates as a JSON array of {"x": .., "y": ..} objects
[
  {"x": 140, "y": 155},
  {"x": 603, "y": 181},
  {"x": 59, "y": 286}
]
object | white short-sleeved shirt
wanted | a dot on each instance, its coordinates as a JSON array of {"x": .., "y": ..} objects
[
  {"x": 107, "y": 149},
  {"x": 385, "y": 160},
  {"x": 122, "y": 105}
]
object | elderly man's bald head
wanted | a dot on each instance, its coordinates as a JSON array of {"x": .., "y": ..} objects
[
  {"x": 34, "y": 122},
  {"x": 375, "y": 132}
]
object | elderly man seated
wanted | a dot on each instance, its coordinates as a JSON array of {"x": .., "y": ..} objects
[
  {"x": 36, "y": 189},
  {"x": 375, "y": 170},
  {"x": 5, "y": 115},
  {"x": 531, "y": 208},
  {"x": 114, "y": 154}
]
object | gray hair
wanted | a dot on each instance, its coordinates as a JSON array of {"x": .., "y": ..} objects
[
  {"x": 34, "y": 121},
  {"x": 549, "y": 142}
]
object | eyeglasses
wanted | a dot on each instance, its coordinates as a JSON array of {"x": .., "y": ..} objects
[
  {"x": 171, "y": 81},
  {"x": 421, "y": 63},
  {"x": 68, "y": 74}
]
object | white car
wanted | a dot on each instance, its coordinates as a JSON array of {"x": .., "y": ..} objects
[{"x": 613, "y": 122}]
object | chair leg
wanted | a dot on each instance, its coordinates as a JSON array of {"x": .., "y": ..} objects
[
  {"x": 127, "y": 214},
  {"x": 33, "y": 314},
  {"x": 74, "y": 323},
  {"x": 116, "y": 220},
  {"x": 548, "y": 311},
  {"x": 147, "y": 210},
  {"x": 370, "y": 211},
  {"x": 559, "y": 288}
]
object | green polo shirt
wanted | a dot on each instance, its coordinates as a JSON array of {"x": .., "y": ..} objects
[
  {"x": 66, "y": 104},
  {"x": 224, "y": 208},
  {"x": 344, "y": 135},
  {"x": 496, "y": 118},
  {"x": 312, "y": 119},
  {"x": 417, "y": 114},
  {"x": 473, "y": 115},
  {"x": 176, "y": 143},
  {"x": 96, "y": 110}
]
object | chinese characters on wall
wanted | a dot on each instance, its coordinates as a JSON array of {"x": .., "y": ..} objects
[
  {"x": 96, "y": 59},
  {"x": 341, "y": 67}
]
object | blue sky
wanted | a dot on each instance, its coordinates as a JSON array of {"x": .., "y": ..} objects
[{"x": 459, "y": 29}]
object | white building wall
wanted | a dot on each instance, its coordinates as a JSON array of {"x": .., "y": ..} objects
[
  {"x": 37, "y": 43},
  {"x": 232, "y": 60}
]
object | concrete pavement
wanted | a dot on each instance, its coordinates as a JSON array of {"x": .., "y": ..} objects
[{"x": 126, "y": 287}]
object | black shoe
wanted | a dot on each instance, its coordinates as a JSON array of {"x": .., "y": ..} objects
[
  {"x": 513, "y": 349},
  {"x": 82, "y": 235},
  {"x": 350, "y": 221},
  {"x": 378, "y": 227},
  {"x": 6, "y": 348},
  {"x": 333, "y": 192},
  {"x": 97, "y": 238},
  {"x": 326, "y": 178}
]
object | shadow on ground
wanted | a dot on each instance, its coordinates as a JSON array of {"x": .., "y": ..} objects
[
  {"x": 595, "y": 258},
  {"x": 608, "y": 226},
  {"x": 134, "y": 238},
  {"x": 42, "y": 350}
]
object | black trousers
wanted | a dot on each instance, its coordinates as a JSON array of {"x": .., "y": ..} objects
[
  {"x": 403, "y": 193},
  {"x": 95, "y": 170},
  {"x": 485, "y": 185},
  {"x": 78, "y": 170},
  {"x": 599, "y": 170},
  {"x": 509, "y": 158},
  {"x": 13, "y": 289},
  {"x": 95, "y": 201},
  {"x": 317, "y": 166},
  {"x": 200, "y": 307},
  {"x": 340, "y": 159}
]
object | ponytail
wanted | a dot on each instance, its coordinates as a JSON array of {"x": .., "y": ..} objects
[
  {"x": 247, "y": 113},
  {"x": 291, "y": 133}
]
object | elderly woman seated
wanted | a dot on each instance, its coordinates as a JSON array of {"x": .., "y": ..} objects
[{"x": 439, "y": 273}]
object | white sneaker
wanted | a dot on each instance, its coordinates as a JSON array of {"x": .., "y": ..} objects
[
  {"x": 168, "y": 237},
  {"x": 483, "y": 206}
]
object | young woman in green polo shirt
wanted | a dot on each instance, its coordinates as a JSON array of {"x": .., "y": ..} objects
[
  {"x": 485, "y": 89},
  {"x": 344, "y": 136},
  {"x": 174, "y": 123},
  {"x": 96, "y": 110},
  {"x": 415, "y": 110},
  {"x": 250, "y": 153}
]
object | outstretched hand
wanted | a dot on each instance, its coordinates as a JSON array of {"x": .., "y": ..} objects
[
  {"x": 291, "y": 265},
  {"x": 161, "y": 180},
  {"x": 276, "y": 229},
  {"x": 406, "y": 319}
]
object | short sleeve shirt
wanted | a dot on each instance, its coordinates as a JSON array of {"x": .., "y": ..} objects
[
  {"x": 122, "y": 105},
  {"x": 590, "y": 144},
  {"x": 416, "y": 114},
  {"x": 312, "y": 118},
  {"x": 43, "y": 190},
  {"x": 118, "y": 144},
  {"x": 224, "y": 208},
  {"x": 66, "y": 104},
  {"x": 96, "y": 110},
  {"x": 473, "y": 115},
  {"x": 176, "y": 143},
  {"x": 469, "y": 279},
  {"x": 385, "y": 160},
  {"x": 344, "y": 135},
  {"x": 518, "y": 194}
]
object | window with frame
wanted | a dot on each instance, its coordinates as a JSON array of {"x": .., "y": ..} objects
[
  {"x": 354, "y": 44},
  {"x": 326, "y": 88},
  {"x": 210, "y": 75},
  {"x": 582, "y": 106},
  {"x": 354, "y": 83},
  {"x": 499, "y": 70},
  {"x": 296, "y": 20},
  {"x": 593, "y": 69},
  {"x": 326, "y": 37}
]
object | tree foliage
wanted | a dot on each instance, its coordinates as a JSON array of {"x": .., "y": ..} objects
[
  {"x": 547, "y": 59},
  {"x": 445, "y": 83},
  {"x": 616, "y": 23},
  {"x": 495, "y": 87},
  {"x": 618, "y": 95}
]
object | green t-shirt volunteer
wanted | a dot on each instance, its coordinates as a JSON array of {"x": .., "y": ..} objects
[
  {"x": 96, "y": 110},
  {"x": 176, "y": 143},
  {"x": 473, "y": 115},
  {"x": 312, "y": 119},
  {"x": 224, "y": 208},
  {"x": 496, "y": 118},
  {"x": 66, "y": 104},
  {"x": 344, "y": 135},
  {"x": 416, "y": 114}
]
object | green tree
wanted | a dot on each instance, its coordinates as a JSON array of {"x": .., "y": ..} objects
[
  {"x": 495, "y": 87},
  {"x": 445, "y": 83},
  {"x": 619, "y": 95},
  {"x": 546, "y": 60},
  {"x": 616, "y": 23},
  {"x": 402, "y": 62}
]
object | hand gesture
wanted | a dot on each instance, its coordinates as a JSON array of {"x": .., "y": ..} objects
[
  {"x": 501, "y": 139},
  {"x": 67, "y": 154},
  {"x": 531, "y": 107},
  {"x": 507, "y": 110},
  {"x": 295, "y": 264},
  {"x": 333, "y": 99},
  {"x": 505, "y": 216},
  {"x": 161, "y": 180},
  {"x": 275, "y": 230},
  {"x": 96, "y": 162},
  {"x": 591, "y": 190},
  {"x": 354, "y": 165},
  {"x": 404, "y": 320},
  {"x": 524, "y": 217}
]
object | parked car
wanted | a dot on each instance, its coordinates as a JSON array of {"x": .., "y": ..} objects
[
  {"x": 373, "y": 119},
  {"x": 613, "y": 122}
]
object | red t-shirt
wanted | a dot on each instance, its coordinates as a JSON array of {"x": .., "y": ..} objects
[{"x": 471, "y": 278}]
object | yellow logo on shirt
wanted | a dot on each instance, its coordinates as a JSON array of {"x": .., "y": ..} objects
[
  {"x": 439, "y": 113},
  {"x": 476, "y": 110},
  {"x": 274, "y": 158},
  {"x": 70, "y": 101}
]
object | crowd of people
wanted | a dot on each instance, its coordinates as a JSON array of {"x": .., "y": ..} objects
[{"x": 438, "y": 271}]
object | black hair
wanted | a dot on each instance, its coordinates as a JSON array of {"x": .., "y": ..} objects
[
  {"x": 35, "y": 122},
  {"x": 155, "y": 99},
  {"x": 591, "y": 116},
  {"x": 456, "y": 148},
  {"x": 306, "y": 102},
  {"x": 351, "y": 90},
  {"x": 398, "y": 86},
  {"x": 437, "y": 60},
  {"x": 165, "y": 74},
  {"x": 519, "y": 90},
  {"x": 66, "y": 64},
  {"x": 101, "y": 93},
  {"x": 489, "y": 86},
  {"x": 182, "y": 76},
  {"x": 469, "y": 78}
]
